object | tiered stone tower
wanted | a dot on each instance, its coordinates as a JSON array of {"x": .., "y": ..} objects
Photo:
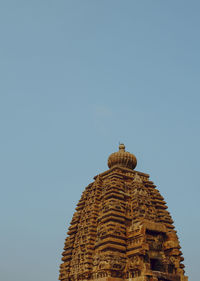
[{"x": 121, "y": 229}]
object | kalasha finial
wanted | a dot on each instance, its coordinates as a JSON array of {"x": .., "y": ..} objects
[
  {"x": 121, "y": 147},
  {"x": 122, "y": 158}
]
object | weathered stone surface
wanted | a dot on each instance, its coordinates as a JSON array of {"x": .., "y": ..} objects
[{"x": 122, "y": 230}]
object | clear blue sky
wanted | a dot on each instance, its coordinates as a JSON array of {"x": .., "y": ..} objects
[{"x": 77, "y": 77}]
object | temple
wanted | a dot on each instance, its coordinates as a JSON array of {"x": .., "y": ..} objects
[{"x": 121, "y": 229}]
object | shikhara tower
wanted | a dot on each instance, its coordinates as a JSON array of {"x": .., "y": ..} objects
[{"x": 121, "y": 229}]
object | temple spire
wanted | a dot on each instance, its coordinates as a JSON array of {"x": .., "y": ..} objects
[{"x": 121, "y": 229}]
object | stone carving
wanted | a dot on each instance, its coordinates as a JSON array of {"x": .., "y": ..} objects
[{"x": 121, "y": 229}]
